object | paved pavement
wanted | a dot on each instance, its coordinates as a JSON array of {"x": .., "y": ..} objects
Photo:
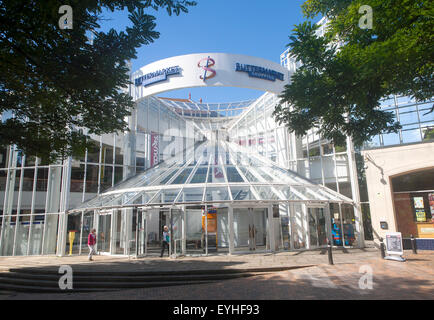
[
  {"x": 212, "y": 262},
  {"x": 413, "y": 279}
]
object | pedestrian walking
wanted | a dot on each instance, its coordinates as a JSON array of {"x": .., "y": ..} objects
[
  {"x": 165, "y": 242},
  {"x": 91, "y": 241}
]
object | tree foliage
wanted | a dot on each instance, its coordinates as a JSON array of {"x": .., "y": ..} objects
[
  {"x": 60, "y": 86},
  {"x": 345, "y": 73}
]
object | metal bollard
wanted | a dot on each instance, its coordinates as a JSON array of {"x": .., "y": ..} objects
[
  {"x": 413, "y": 244},
  {"x": 382, "y": 250},
  {"x": 329, "y": 249}
]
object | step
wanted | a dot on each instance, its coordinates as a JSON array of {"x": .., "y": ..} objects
[
  {"x": 122, "y": 278},
  {"x": 45, "y": 286},
  {"x": 10, "y": 288},
  {"x": 54, "y": 271}
]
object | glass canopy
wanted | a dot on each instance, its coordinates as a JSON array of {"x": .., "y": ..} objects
[
  {"x": 213, "y": 172},
  {"x": 188, "y": 108}
]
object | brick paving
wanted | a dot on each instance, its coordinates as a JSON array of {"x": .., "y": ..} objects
[
  {"x": 413, "y": 279},
  {"x": 212, "y": 262}
]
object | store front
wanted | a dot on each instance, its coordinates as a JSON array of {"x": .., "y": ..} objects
[
  {"x": 225, "y": 229},
  {"x": 413, "y": 198}
]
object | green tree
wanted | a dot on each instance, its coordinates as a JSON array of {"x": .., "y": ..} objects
[
  {"x": 345, "y": 73},
  {"x": 60, "y": 86}
]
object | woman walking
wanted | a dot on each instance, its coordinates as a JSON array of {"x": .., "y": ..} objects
[
  {"x": 91, "y": 241},
  {"x": 165, "y": 242}
]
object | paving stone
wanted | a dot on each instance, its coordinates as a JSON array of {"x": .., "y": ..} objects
[{"x": 413, "y": 279}]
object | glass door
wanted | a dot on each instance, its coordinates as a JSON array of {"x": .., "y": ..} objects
[
  {"x": 104, "y": 232},
  {"x": 176, "y": 231},
  {"x": 250, "y": 229},
  {"x": 141, "y": 232},
  {"x": 222, "y": 230},
  {"x": 259, "y": 228},
  {"x": 242, "y": 220},
  {"x": 119, "y": 231},
  {"x": 194, "y": 231},
  {"x": 156, "y": 219},
  {"x": 317, "y": 227},
  {"x": 153, "y": 234}
]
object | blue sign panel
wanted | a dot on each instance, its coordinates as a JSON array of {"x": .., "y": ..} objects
[
  {"x": 259, "y": 72},
  {"x": 157, "y": 76}
]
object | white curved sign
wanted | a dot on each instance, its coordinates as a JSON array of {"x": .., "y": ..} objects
[{"x": 209, "y": 69}]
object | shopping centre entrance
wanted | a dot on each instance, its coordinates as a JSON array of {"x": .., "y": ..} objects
[
  {"x": 226, "y": 228},
  {"x": 200, "y": 181},
  {"x": 138, "y": 231}
]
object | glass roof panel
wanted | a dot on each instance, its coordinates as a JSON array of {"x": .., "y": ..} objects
[
  {"x": 166, "y": 196},
  {"x": 217, "y": 194},
  {"x": 127, "y": 197},
  {"x": 191, "y": 195},
  {"x": 148, "y": 195},
  {"x": 250, "y": 177},
  {"x": 289, "y": 193},
  {"x": 328, "y": 193},
  {"x": 164, "y": 177},
  {"x": 242, "y": 193},
  {"x": 216, "y": 175},
  {"x": 200, "y": 175},
  {"x": 267, "y": 193},
  {"x": 310, "y": 192},
  {"x": 233, "y": 175},
  {"x": 267, "y": 177},
  {"x": 183, "y": 176}
]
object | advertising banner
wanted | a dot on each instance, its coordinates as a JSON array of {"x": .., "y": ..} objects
[
  {"x": 211, "y": 220},
  {"x": 420, "y": 215},
  {"x": 155, "y": 149},
  {"x": 418, "y": 202},
  {"x": 394, "y": 243}
]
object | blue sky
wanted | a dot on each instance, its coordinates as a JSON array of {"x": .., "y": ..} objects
[{"x": 252, "y": 27}]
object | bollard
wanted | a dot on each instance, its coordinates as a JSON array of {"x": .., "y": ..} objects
[
  {"x": 413, "y": 244},
  {"x": 382, "y": 251},
  {"x": 329, "y": 249}
]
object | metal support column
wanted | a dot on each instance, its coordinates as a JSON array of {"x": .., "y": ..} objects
[{"x": 231, "y": 229}]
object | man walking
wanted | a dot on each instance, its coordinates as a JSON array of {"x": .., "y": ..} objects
[{"x": 91, "y": 241}]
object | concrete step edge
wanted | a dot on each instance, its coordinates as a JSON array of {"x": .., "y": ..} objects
[
  {"x": 93, "y": 288},
  {"x": 116, "y": 278},
  {"x": 52, "y": 271}
]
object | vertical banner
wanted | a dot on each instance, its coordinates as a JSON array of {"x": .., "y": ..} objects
[{"x": 155, "y": 149}]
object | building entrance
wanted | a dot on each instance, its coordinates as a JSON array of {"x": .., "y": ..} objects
[
  {"x": 151, "y": 230},
  {"x": 317, "y": 227},
  {"x": 251, "y": 229},
  {"x": 104, "y": 233}
]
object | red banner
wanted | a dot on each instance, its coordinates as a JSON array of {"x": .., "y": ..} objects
[{"x": 155, "y": 149}]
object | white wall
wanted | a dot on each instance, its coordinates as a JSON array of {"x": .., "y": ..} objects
[{"x": 386, "y": 163}]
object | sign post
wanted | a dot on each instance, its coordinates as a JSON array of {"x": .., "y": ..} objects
[{"x": 394, "y": 248}]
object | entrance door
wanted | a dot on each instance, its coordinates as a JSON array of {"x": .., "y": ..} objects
[
  {"x": 194, "y": 231},
  {"x": 176, "y": 231},
  {"x": 141, "y": 232},
  {"x": 104, "y": 232},
  {"x": 246, "y": 220},
  {"x": 156, "y": 219},
  {"x": 317, "y": 227}
]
